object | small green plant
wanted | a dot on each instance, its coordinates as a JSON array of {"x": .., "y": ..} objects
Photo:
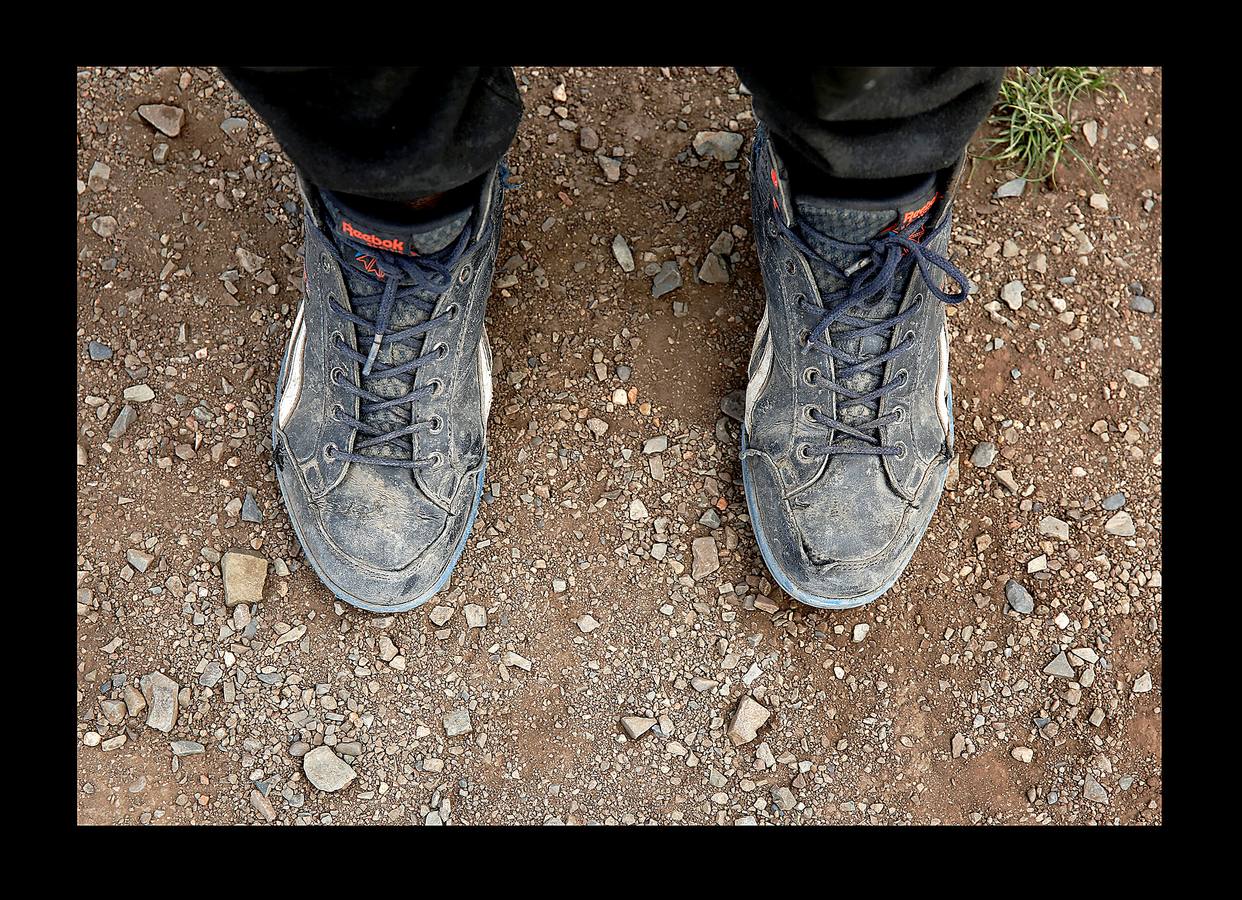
[{"x": 1034, "y": 117}]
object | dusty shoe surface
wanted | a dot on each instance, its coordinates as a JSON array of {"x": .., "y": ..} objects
[
  {"x": 380, "y": 427},
  {"x": 848, "y": 432}
]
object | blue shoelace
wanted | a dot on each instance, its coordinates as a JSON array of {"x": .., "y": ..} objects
[
  {"x": 417, "y": 281},
  {"x": 869, "y": 282}
]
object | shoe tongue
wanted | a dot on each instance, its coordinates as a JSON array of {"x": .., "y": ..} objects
[
  {"x": 368, "y": 231},
  {"x": 373, "y": 243},
  {"x": 858, "y": 221}
]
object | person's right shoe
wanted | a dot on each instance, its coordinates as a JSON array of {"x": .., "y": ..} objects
[
  {"x": 380, "y": 428},
  {"x": 848, "y": 427}
]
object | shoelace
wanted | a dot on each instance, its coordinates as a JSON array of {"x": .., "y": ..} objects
[
  {"x": 869, "y": 282},
  {"x": 405, "y": 280}
]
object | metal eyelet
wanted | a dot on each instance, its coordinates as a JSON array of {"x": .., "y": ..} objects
[
  {"x": 438, "y": 458},
  {"x": 329, "y": 452},
  {"x": 910, "y": 337},
  {"x": 323, "y": 262},
  {"x": 902, "y": 454},
  {"x": 900, "y": 412},
  {"x": 905, "y": 376},
  {"x": 464, "y": 276},
  {"x": 438, "y": 387},
  {"x": 802, "y": 452},
  {"x": 338, "y": 339},
  {"x": 437, "y": 425},
  {"x": 810, "y": 375},
  {"x": 790, "y": 268},
  {"x": 332, "y": 375},
  {"x": 452, "y": 310},
  {"x": 442, "y": 350},
  {"x": 337, "y": 408},
  {"x": 808, "y": 413},
  {"x": 772, "y": 227}
]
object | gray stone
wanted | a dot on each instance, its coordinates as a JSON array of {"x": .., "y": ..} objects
[
  {"x": 250, "y": 511},
  {"x": 124, "y": 419},
  {"x": 1094, "y": 791},
  {"x": 1051, "y": 526},
  {"x": 1060, "y": 667},
  {"x": 327, "y": 771},
  {"x": 244, "y": 577},
  {"x": 113, "y": 711},
  {"x": 655, "y": 445},
  {"x": 168, "y": 119},
  {"x": 621, "y": 250},
  {"x": 457, "y": 722},
  {"x": 98, "y": 352},
  {"x": 747, "y": 720},
  {"x": 104, "y": 226},
  {"x": 1114, "y": 501},
  {"x": 1143, "y": 305},
  {"x": 1019, "y": 598},
  {"x": 1142, "y": 684},
  {"x": 588, "y": 138},
  {"x": 139, "y": 560},
  {"x": 1011, "y": 293},
  {"x": 667, "y": 279},
  {"x": 983, "y": 455},
  {"x": 713, "y": 270},
  {"x": 706, "y": 557},
  {"x": 476, "y": 616},
  {"x": 1013, "y": 188},
  {"x": 611, "y": 167},
  {"x": 97, "y": 180},
  {"x": 733, "y": 404},
  {"x": 186, "y": 748},
  {"x": 160, "y": 693},
  {"x": 721, "y": 145},
  {"x": 636, "y": 726},
  {"x": 1121, "y": 524},
  {"x": 234, "y": 126}
]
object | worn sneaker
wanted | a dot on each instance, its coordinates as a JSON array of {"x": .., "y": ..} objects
[
  {"x": 848, "y": 427},
  {"x": 380, "y": 428}
]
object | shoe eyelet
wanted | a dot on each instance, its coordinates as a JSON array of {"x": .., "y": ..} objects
[
  {"x": 323, "y": 262},
  {"x": 810, "y": 375},
  {"x": 465, "y": 274},
  {"x": 910, "y": 337},
  {"x": 337, "y": 412},
  {"x": 451, "y": 311},
  {"x": 437, "y": 424},
  {"x": 441, "y": 350},
  {"x": 332, "y": 375},
  {"x": 790, "y": 268},
  {"x": 436, "y": 457},
  {"x": 772, "y": 227},
  {"x": 904, "y": 450},
  {"x": 904, "y": 374},
  {"x": 329, "y": 452},
  {"x": 803, "y": 453},
  {"x": 437, "y": 387},
  {"x": 808, "y": 413},
  {"x": 338, "y": 339},
  {"x": 900, "y": 412}
]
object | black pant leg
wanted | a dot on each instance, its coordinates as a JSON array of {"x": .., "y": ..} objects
[
  {"x": 866, "y": 123},
  {"x": 386, "y": 132}
]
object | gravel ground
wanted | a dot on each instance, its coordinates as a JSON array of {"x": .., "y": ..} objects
[{"x": 610, "y": 648}]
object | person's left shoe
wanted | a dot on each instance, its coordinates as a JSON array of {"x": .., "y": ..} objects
[{"x": 848, "y": 427}]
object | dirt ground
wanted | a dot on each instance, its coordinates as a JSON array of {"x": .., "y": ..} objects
[{"x": 942, "y": 712}]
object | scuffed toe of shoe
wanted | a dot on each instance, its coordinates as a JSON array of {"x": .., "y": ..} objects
[
  {"x": 376, "y": 519},
  {"x": 832, "y": 547}
]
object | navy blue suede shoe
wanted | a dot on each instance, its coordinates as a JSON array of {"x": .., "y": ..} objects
[
  {"x": 848, "y": 427},
  {"x": 380, "y": 429}
]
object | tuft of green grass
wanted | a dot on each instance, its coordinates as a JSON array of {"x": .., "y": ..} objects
[{"x": 1034, "y": 115}]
